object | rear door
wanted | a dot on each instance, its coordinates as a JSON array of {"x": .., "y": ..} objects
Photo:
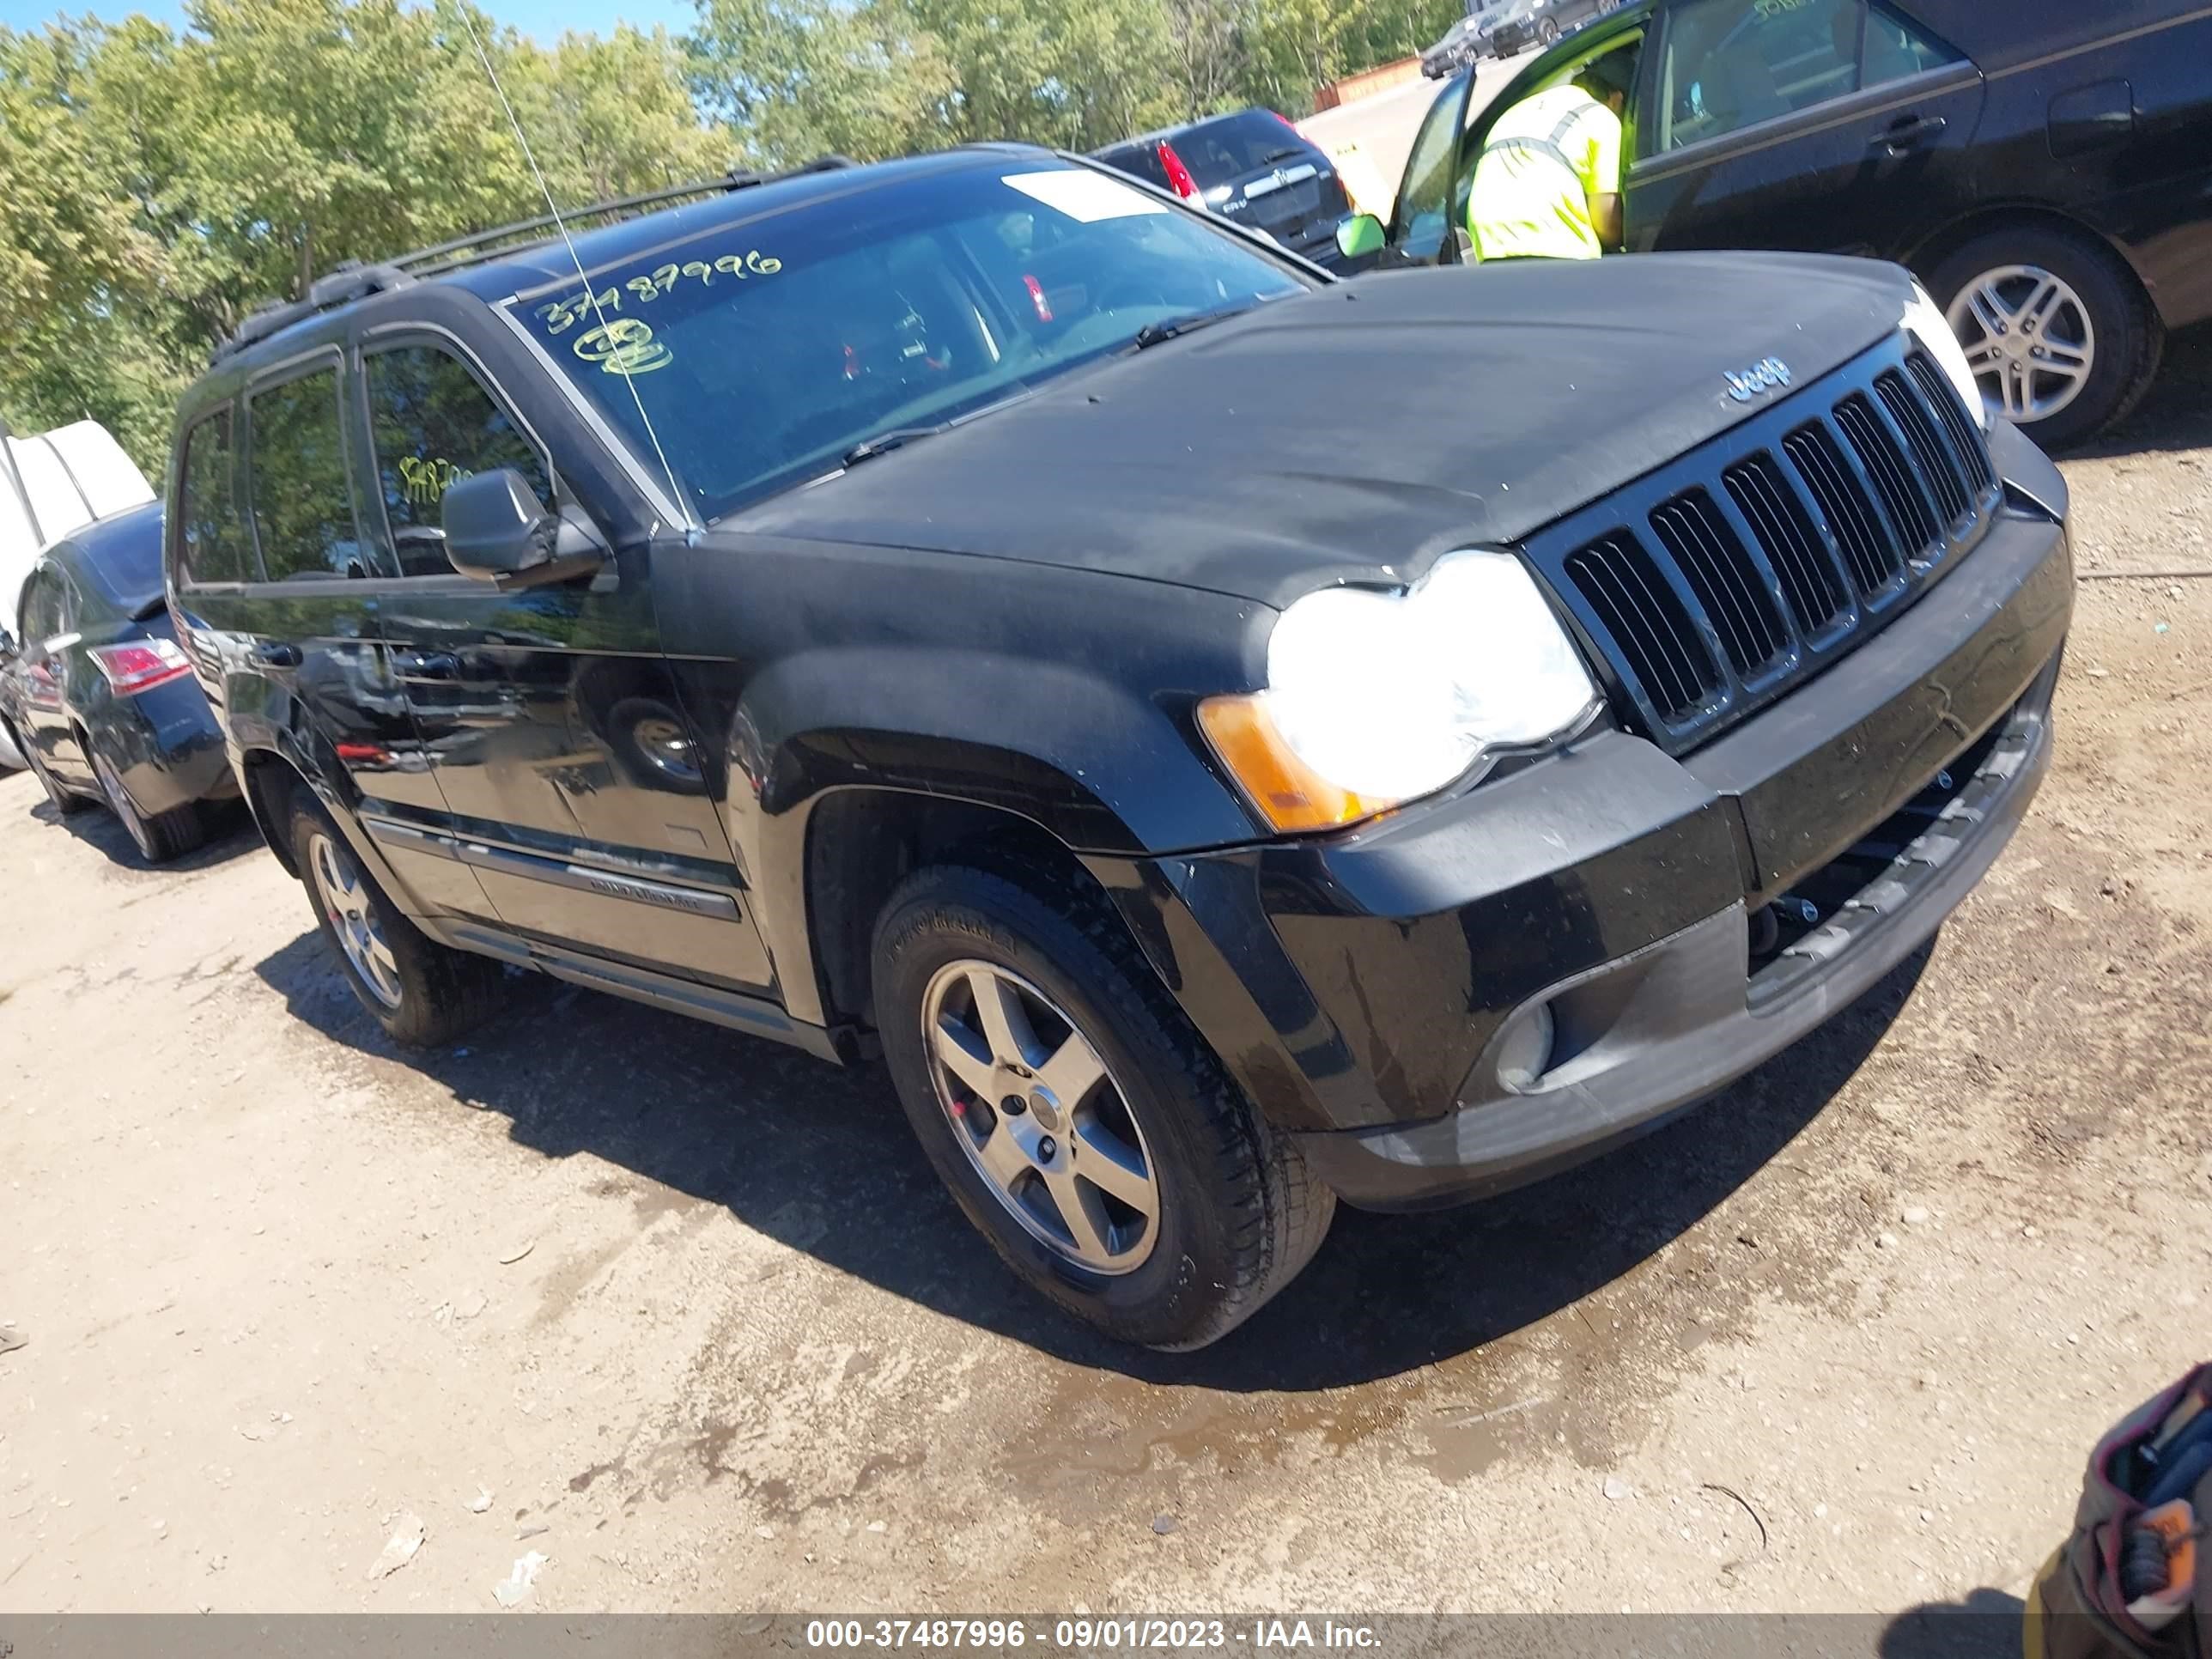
[
  {"x": 545, "y": 717},
  {"x": 1257, "y": 170},
  {"x": 303, "y": 670},
  {"x": 1807, "y": 125},
  {"x": 40, "y": 669}
]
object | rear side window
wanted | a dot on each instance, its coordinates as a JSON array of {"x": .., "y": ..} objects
[
  {"x": 433, "y": 422},
  {"x": 1138, "y": 161},
  {"x": 42, "y": 609},
  {"x": 302, "y": 510},
  {"x": 1728, "y": 65},
  {"x": 211, "y": 545},
  {"x": 1216, "y": 152}
]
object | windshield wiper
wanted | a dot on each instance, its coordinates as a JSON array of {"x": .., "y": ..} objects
[
  {"x": 1152, "y": 334},
  {"x": 884, "y": 442}
]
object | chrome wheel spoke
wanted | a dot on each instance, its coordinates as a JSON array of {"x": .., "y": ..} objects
[
  {"x": 956, "y": 1049},
  {"x": 1083, "y": 1216},
  {"x": 1991, "y": 311},
  {"x": 998, "y": 1012},
  {"x": 1115, "y": 1168},
  {"x": 1003, "y": 1159},
  {"x": 1072, "y": 1071}
]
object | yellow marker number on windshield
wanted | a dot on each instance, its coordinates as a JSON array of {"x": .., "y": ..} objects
[
  {"x": 559, "y": 316},
  {"x": 625, "y": 346}
]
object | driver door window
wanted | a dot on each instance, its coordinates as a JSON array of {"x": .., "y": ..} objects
[
  {"x": 433, "y": 422},
  {"x": 1421, "y": 222},
  {"x": 1728, "y": 64}
]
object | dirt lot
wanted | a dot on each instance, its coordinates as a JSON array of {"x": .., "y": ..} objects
[{"x": 687, "y": 1315}]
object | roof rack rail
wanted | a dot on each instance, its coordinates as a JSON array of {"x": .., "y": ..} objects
[
  {"x": 354, "y": 280},
  {"x": 347, "y": 281},
  {"x": 485, "y": 245}
]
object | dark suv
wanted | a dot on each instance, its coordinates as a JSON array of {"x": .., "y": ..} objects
[
  {"x": 2046, "y": 167},
  {"x": 1255, "y": 169},
  {"x": 914, "y": 610}
]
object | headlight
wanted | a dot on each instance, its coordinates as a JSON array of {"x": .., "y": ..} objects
[
  {"x": 1934, "y": 332},
  {"x": 1374, "y": 699}
]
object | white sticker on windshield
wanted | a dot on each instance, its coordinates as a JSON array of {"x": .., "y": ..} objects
[{"x": 1084, "y": 196}]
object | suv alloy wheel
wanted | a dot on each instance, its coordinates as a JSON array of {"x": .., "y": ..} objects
[
  {"x": 1082, "y": 1125},
  {"x": 422, "y": 992}
]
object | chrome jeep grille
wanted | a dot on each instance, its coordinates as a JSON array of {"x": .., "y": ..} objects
[{"x": 1730, "y": 576}]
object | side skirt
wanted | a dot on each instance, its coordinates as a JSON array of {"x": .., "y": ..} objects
[{"x": 755, "y": 1016}]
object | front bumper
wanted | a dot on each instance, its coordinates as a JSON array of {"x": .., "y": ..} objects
[{"x": 1372, "y": 990}]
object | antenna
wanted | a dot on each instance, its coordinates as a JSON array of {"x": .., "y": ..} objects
[{"x": 553, "y": 208}]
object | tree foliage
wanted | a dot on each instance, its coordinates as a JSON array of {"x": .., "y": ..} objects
[{"x": 157, "y": 183}]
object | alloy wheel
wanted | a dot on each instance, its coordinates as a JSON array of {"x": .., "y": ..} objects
[
  {"x": 1041, "y": 1117},
  {"x": 127, "y": 811},
  {"x": 345, "y": 897},
  {"x": 2028, "y": 336}
]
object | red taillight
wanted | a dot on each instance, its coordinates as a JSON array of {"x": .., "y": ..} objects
[
  {"x": 140, "y": 665},
  {"x": 1036, "y": 298},
  {"x": 1179, "y": 179},
  {"x": 1286, "y": 121}
]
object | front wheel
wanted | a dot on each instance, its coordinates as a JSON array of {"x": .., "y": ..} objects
[
  {"x": 1546, "y": 32},
  {"x": 422, "y": 992},
  {"x": 2061, "y": 336},
  {"x": 1084, "y": 1126}
]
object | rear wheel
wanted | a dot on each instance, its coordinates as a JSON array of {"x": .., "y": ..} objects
[
  {"x": 160, "y": 837},
  {"x": 2061, "y": 336},
  {"x": 1547, "y": 30},
  {"x": 1081, "y": 1122},
  {"x": 420, "y": 992},
  {"x": 65, "y": 802}
]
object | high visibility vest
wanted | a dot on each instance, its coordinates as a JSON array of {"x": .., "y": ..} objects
[{"x": 1543, "y": 162}]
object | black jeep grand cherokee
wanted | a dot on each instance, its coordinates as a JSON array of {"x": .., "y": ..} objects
[{"x": 1233, "y": 740}]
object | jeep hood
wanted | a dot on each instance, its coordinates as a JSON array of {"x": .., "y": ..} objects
[{"x": 1355, "y": 433}]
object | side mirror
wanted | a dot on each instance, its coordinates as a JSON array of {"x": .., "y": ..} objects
[
  {"x": 1360, "y": 236},
  {"x": 499, "y": 532}
]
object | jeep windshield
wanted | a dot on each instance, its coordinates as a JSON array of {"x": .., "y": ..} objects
[{"x": 764, "y": 351}]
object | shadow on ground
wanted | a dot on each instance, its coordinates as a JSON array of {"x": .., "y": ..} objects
[
  {"x": 2176, "y": 413},
  {"x": 230, "y": 835},
  {"x": 823, "y": 1160},
  {"x": 1986, "y": 1624}
]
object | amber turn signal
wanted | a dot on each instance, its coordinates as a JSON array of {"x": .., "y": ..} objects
[{"x": 1289, "y": 794}]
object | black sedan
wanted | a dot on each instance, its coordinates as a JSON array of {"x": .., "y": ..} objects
[{"x": 98, "y": 697}]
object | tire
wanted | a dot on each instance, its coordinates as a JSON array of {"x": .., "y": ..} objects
[
  {"x": 2098, "y": 303},
  {"x": 67, "y": 802},
  {"x": 160, "y": 837},
  {"x": 1546, "y": 32},
  {"x": 1236, "y": 1211},
  {"x": 422, "y": 993}
]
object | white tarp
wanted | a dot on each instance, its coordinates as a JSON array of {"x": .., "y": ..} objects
[{"x": 65, "y": 478}]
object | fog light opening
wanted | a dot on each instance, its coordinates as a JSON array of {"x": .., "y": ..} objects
[{"x": 1524, "y": 1051}]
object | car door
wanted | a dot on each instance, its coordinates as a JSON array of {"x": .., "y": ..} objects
[
  {"x": 1428, "y": 206},
  {"x": 1810, "y": 125},
  {"x": 41, "y": 670},
  {"x": 546, "y": 716},
  {"x": 284, "y": 591}
]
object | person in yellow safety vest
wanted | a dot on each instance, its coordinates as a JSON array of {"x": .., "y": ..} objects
[{"x": 1547, "y": 186}]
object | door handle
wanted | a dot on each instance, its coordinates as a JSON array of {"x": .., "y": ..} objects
[
  {"x": 430, "y": 665},
  {"x": 277, "y": 654},
  {"x": 1910, "y": 133}
]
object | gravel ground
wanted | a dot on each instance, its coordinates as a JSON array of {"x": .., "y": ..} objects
[{"x": 686, "y": 1314}]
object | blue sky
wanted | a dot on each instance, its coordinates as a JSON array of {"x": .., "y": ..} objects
[{"x": 546, "y": 19}]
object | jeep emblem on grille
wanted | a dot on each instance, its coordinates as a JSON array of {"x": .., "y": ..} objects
[{"x": 1759, "y": 377}]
